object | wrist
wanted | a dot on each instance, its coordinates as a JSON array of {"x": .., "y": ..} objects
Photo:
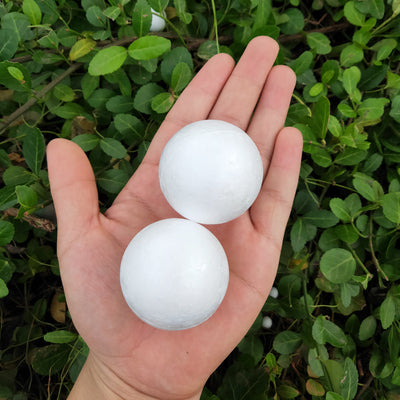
[{"x": 97, "y": 382}]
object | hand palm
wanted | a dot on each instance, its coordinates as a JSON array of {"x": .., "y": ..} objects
[{"x": 177, "y": 364}]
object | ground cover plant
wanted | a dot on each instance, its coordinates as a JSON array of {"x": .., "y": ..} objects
[{"x": 91, "y": 71}]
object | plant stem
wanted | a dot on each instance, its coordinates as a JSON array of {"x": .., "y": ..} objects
[
  {"x": 374, "y": 259},
  {"x": 215, "y": 24},
  {"x": 33, "y": 100}
]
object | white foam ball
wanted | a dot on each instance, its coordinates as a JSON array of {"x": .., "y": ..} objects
[
  {"x": 267, "y": 323},
  {"x": 157, "y": 23},
  {"x": 274, "y": 292},
  {"x": 174, "y": 274},
  {"x": 210, "y": 172}
]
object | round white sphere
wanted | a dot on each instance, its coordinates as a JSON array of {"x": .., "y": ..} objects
[
  {"x": 210, "y": 172},
  {"x": 174, "y": 274},
  {"x": 157, "y": 23},
  {"x": 274, "y": 292},
  {"x": 267, "y": 323}
]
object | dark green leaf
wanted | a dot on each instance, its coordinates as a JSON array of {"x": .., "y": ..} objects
[
  {"x": 325, "y": 331},
  {"x": 141, "y": 18},
  {"x": 60, "y": 336},
  {"x": 387, "y": 312},
  {"x": 144, "y": 97},
  {"x": 339, "y": 208},
  {"x": 181, "y": 76},
  {"x": 301, "y": 233},
  {"x": 320, "y": 117},
  {"x": 69, "y": 111},
  {"x": 295, "y": 21},
  {"x": 26, "y": 196},
  {"x": 302, "y": 63},
  {"x": 119, "y": 104},
  {"x": 391, "y": 206},
  {"x": 19, "y": 24},
  {"x": 86, "y": 141},
  {"x": 350, "y": 55},
  {"x": 96, "y": 17},
  {"x": 367, "y": 328},
  {"x": 8, "y": 44},
  {"x": 6, "y": 232},
  {"x": 8, "y": 198},
  {"x": 321, "y": 218},
  {"x": 113, "y": 148},
  {"x": 349, "y": 382},
  {"x": 129, "y": 125},
  {"x": 50, "y": 359},
  {"x": 287, "y": 342},
  {"x": 34, "y": 148},
  {"x": 3, "y": 290},
  {"x": 319, "y": 42},
  {"x": 113, "y": 180}
]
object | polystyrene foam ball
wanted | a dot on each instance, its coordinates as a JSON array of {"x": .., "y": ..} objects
[
  {"x": 210, "y": 172},
  {"x": 174, "y": 274},
  {"x": 157, "y": 23}
]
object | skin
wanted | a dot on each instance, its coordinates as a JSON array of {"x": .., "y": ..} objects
[{"x": 129, "y": 359}]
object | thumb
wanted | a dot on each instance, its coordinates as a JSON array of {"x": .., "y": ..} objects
[{"x": 73, "y": 188}]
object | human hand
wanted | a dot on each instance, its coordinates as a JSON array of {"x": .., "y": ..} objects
[{"x": 129, "y": 359}]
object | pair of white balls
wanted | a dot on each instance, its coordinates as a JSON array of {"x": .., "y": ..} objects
[{"x": 174, "y": 273}]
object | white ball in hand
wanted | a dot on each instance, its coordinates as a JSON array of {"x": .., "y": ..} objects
[
  {"x": 174, "y": 274},
  {"x": 210, "y": 172}
]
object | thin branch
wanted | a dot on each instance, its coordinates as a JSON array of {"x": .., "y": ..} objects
[
  {"x": 36, "y": 222},
  {"x": 33, "y": 100}
]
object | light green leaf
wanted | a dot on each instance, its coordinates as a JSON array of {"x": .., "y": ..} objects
[
  {"x": 181, "y": 76},
  {"x": 295, "y": 21},
  {"x": 3, "y": 290},
  {"x": 339, "y": 208},
  {"x": 26, "y": 196},
  {"x": 113, "y": 148},
  {"x": 338, "y": 265},
  {"x": 162, "y": 102},
  {"x": 351, "y": 77},
  {"x": 19, "y": 24},
  {"x": 351, "y": 54},
  {"x": 148, "y": 47},
  {"x": 81, "y": 48},
  {"x": 112, "y": 12},
  {"x": 301, "y": 233},
  {"x": 395, "y": 109},
  {"x": 320, "y": 117},
  {"x": 372, "y": 108},
  {"x": 64, "y": 93},
  {"x": 60, "y": 336},
  {"x": 69, "y": 111},
  {"x": 353, "y": 15},
  {"x": 107, "y": 60},
  {"x": 32, "y": 11}
]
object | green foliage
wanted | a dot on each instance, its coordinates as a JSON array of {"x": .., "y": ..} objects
[{"x": 91, "y": 71}]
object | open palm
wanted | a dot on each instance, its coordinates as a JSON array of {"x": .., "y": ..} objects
[{"x": 128, "y": 356}]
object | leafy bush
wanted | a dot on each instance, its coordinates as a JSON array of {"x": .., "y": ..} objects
[{"x": 91, "y": 71}]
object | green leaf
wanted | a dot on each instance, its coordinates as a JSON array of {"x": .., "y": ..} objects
[
  {"x": 158, "y": 5},
  {"x": 86, "y": 141},
  {"x": 172, "y": 59},
  {"x": 376, "y": 8},
  {"x": 287, "y": 392},
  {"x": 32, "y": 11},
  {"x": 367, "y": 187},
  {"x": 351, "y": 54},
  {"x": 64, "y": 93},
  {"x": 3, "y": 289},
  {"x": 148, "y": 47},
  {"x": 89, "y": 84},
  {"x": 352, "y": 14},
  {"x": 287, "y": 342},
  {"x": 301, "y": 233},
  {"x": 302, "y": 63},
  {"x": 113, "y": 148},
  {"x": 262, "y": 14},
  {"x": 16, "y": 175},
  {"x": 320, "y": 117},
  {"x": 107, "y": 60},
  {"x": 181, "y": 76},
  {"x": 81, "y": 48},
  {"x": 119, "y": 104},
  {"x": 319, "y": 42},
  {"x": 333, "y": 396},
  {"x": 367, "y": 328},
  {"x": 253, "y": 346},
  {"x": 50, "y": 359},
  {"x": 338, "y": 265},
  {"x": 391, "y": 206},
  {"x": 26, "y": 196},
  {"x": 325, "y": 331},
  {"x": 207, "y": 50},
  {"x": 351, "y": 77},
  {"x": 6, "y": 232},
  {"x": 112, "y": 12},
  {"x": 330, "y": 71},
  {"x": 349, "y": 382},
  {"x": 295, "y": 21},
  {"x": 96, "y": 17},
  {"x": 184, "y": 16},
  {"x": 141, "y": 18},
  {"x": 33, "y": 148},
  {"x": 129, "y": 125},
  {"x": 372, "y": 108},
  {"x": 346, "y": 233},
  {"x": 16, "y": 73},
  {"x": 395, "y": 109},
  {"x": 387, "y": 312},
  {"x": 8, "y": 44},
  {"x": 144, "y": 97},
  {"x": 351, "y": 156},
  {"x": 321, "y": 218},
  {"x": 162, "y": 102},
  {"x": 8, "y": 198},
  {"x": 113, "y": 180},
  {"x": 70, "y": 111},
  {"x": 19, "y": 24},
  {"x": 339, "y": 208},
  {"x": 60, "y": 336}
]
